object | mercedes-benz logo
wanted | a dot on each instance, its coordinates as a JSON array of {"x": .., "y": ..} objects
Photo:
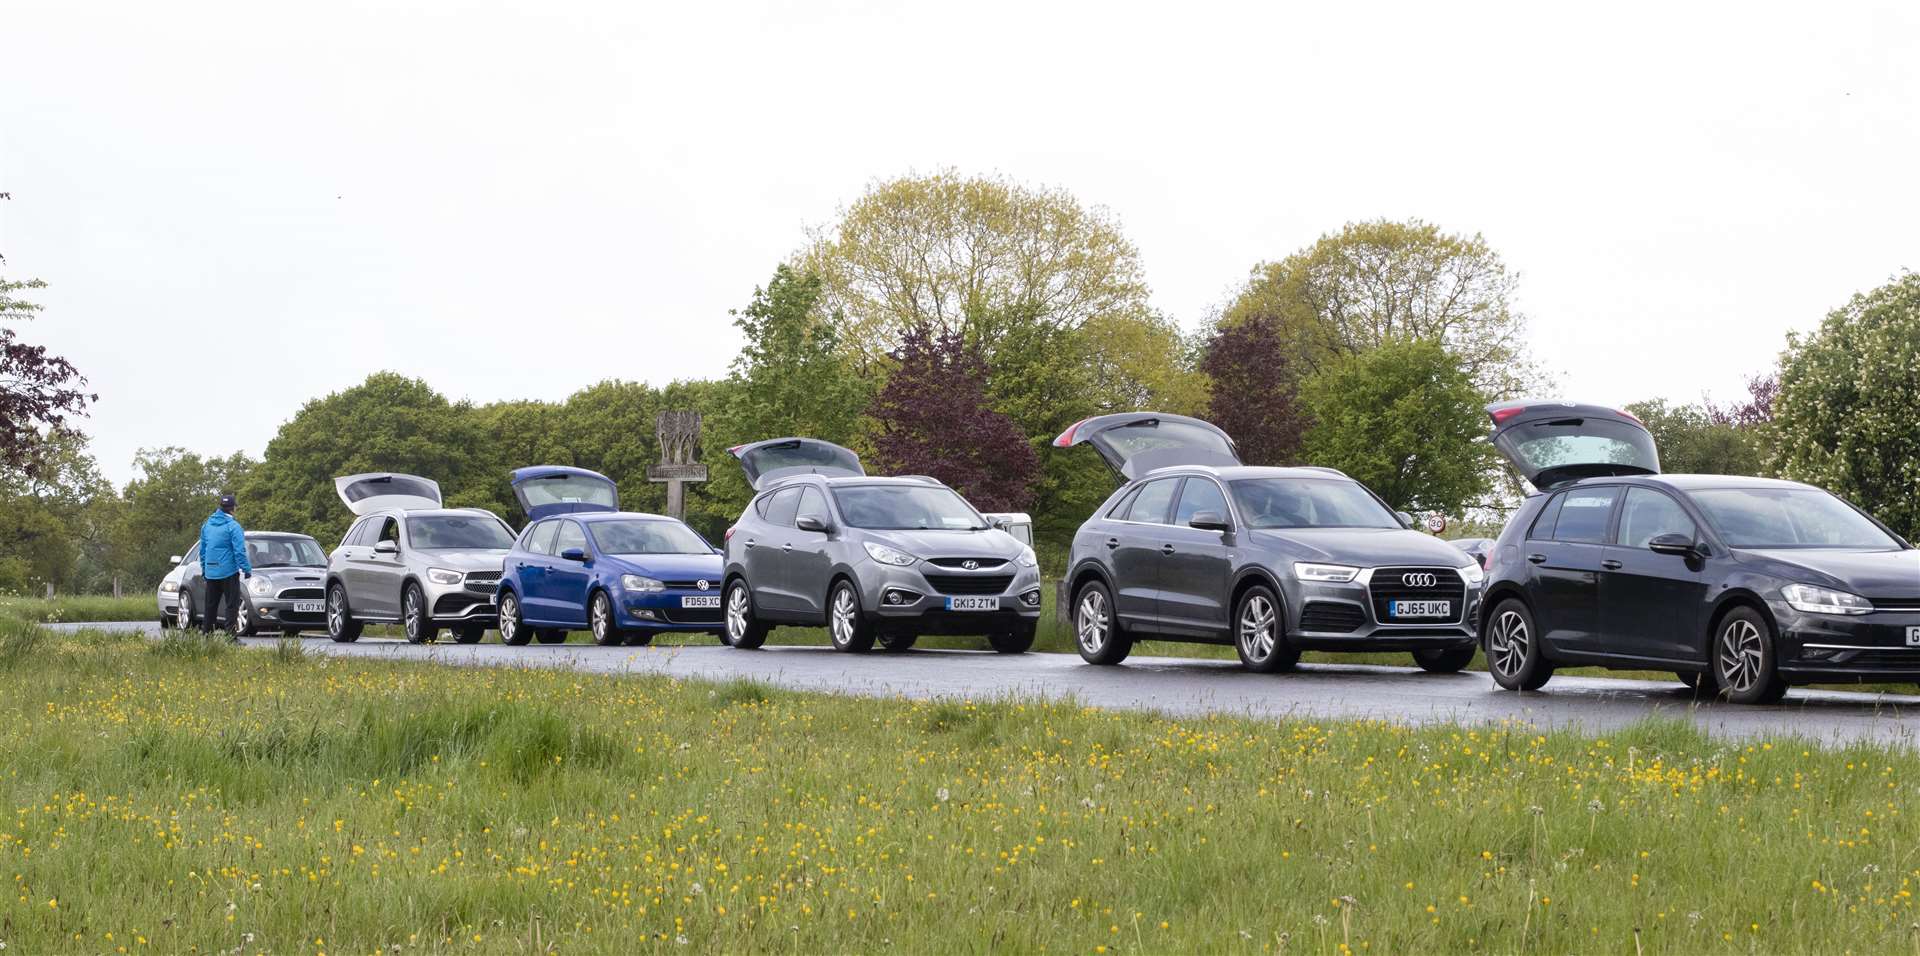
[
  {"x": 1420, "y": 579},
  {"x": 970, "y": 564},
  {"x": 701, "y": 584}
]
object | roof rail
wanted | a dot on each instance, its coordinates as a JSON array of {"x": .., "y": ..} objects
[
  {"x": 1330, "y": 471},
  {"x": 929, "y": 479}
]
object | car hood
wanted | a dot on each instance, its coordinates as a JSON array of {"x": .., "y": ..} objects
[
  {"x": 1870, "y": 574},
  {"x": 1360, "y": 547},
  {"x": 994, "y": 543},
  {"x": 483, "y": 559},
  {"x": 291, "y": 576},
  {"x": 669, "y": 567}
]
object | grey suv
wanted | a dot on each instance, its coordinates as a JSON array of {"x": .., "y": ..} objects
[
  {"x": 1197, "y": 547},
  {"x": 411, "y": 562},
  {"x": 884, "y": 559}
]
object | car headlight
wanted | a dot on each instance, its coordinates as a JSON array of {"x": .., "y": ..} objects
[
  {"x": 169, "y": 587},
  {"x": 260, "y": 586},
  {"x": 885, "y": 555},
  {"x": 640, "y": 582},
  {"x": 1324, "y": 573},
  {"x": 444, "y": 576},
  {"x": 1028, "y": 559},
  {"x": 1813, "y": 600},
  {"x": 1474, "y": 574}
]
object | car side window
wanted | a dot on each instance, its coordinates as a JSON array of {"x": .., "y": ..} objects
[
  {"x": 193, "y": 554},
  {"x": 1542, "y": 527},
  {"x": 784, "y": 506},
  {"x": 1648, "y": 514},
  {"x": 760, "y": 505},
  {"x": 389, "y": 530},
  {"x": 538, "y": 537},
  {"x": 812, "y": 503},
  {"x": 571, "y": 536},
  {"x": 1153, "y": 501},
  {"x": 1199, "y": 494},
  {"x": 1583, "y": 515},
  {"x": 1119, "y": 511}
]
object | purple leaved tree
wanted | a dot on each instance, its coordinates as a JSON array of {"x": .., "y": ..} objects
[
  {"x": 39, "y": 391},
  {"x": 1252, "y": 381},
  {"x": 933, "y": 419}
]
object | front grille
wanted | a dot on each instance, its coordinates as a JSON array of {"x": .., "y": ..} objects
[
  {"x": 691, "y": 585},
  {"x": 1895, "y": 603},
  {"x": 483, "y": 582},
  {"x": 1387, "y": 586},
  {"x": 302, "y": 594},
  {"x": 979, "y": 564},
  {"x": 970, "y": 583},
  {"x": 1330, "y": 618},
  {"x": 693, "y": 615},
  {"x": 483, "y": 575},
  {"x": 1891, "y": 657}
]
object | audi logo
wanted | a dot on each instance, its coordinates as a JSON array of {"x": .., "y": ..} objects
[
  {"x": 1420, "y": 579},
  {"x": 970, "y": 564}
]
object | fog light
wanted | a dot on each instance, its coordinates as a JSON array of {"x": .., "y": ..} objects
[
  {"x": 897, "y": 598},
  {"x": 1031, "y": 598},
  {"x": 642, "y": 614}
]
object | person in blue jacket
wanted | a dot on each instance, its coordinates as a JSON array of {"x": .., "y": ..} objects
[{"x": 223, "y": 562}]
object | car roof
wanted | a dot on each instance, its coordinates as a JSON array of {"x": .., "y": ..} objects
[
  {"x": 845, "y": 481},
  {"x": 1237, "y": 472},
  {"x": 1694, "y": 482},
  {"x": 433, "y": 513},
  {"x": 593, "y": 516},
  {"x": 278, "y": 534}
]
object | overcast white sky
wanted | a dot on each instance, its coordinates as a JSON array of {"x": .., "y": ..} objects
[{"x": 241, "y": 207}]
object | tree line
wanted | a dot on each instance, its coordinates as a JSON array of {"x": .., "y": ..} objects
[{"x": 951, "y": 326}]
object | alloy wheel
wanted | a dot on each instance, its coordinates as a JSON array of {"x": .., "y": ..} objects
[
  {"x": 600, "y": 615},
  {"x": 845, "y": 614},
  {"x": 1507, "y": 645},
  {"x": 183, "y": 615},
  {"x": 1256, "y": 628},
  {"x": 1090, "y": 625},
  {"x": 1741, "y": 656},
  {"x": 509, "y": 618},
  {"x": 737, "y": 613},
  {"x": 336, "y": 611},
  {"x": 242, "y": 618},
  {"x": 413, "y": 615}
]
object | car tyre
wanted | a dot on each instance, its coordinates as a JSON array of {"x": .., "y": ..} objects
[
  {"x": 245, "y": 622},
  {"x": 638, "y": 638},
  {"x": 550, "y": 635},
  {"x": 413, "y": 616},
  {"x": 341, "y": 626},
  {"x": 1260, "y": 632},
  {"x": 1096, "y": 632},
  {"x": 183, "y": 615},
  {"x": 897, "y": 642},
  {"x": 1017, "y": 641},
  {"x": 1514, "y": 655},
  {"x": 513, "y": 626},
  {"x": 847, "y": 625},
  {"x": 470, "y": 633},
  {"x": 744, "y": 629},
  {"x": 1444, "y": 660},
  {"x": 1743, "y": 659},
  {"x": 600, "y": 621}
]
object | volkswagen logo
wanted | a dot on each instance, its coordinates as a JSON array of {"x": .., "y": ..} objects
[
  {"x": 1420, "y": 579},
  {"x": 970, "y": 564},
  {"x": 702, "y": 583}
]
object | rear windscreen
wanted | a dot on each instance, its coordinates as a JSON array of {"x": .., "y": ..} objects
[
  {"x": 1134, "y": 440},
  {"x": 803, "y": 455},
  {"x": 1580, "y": 441},
  {"x": 567, "y": 489},
  {"x": 396, "y": 485}
]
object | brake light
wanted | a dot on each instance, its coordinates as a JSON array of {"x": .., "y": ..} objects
[
  {"x": 1500, "y": 415},
  {"x": 1066, "y": 437},
  {"x": 728, "y": 536},
  {"x": 1629, "y": 417}
]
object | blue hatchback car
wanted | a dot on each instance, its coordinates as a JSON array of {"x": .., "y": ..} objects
[{"x": 582, "y": 563}]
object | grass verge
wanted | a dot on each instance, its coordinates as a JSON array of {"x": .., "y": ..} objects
[
  {"x": 81, "y": 608},
  {"x": 278, "y": 802}
]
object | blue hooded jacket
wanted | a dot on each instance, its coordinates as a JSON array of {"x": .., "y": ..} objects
[{"x": 223, "y": 548}]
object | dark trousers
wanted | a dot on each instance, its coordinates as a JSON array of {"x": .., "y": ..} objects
[{"x": 221, "y": 591}]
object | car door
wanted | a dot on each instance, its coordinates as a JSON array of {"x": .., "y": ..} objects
[
  {"x": 383, "y": 491},
  {"x": 1650, "y": 604},
  {"x": 530, "y": 569},
  {"x": 1557, "y": 443},
  {"x": 381, "y": 573},
  {"x": 809, "y": 565},
  {"x": 767, "y": 552},
  {"x": 1196, "y": 564},
  {"x": 1134, "y": 545},
  {"x": 1566, "y": 566},
  {"x": 547, "y": 490},
  {"x": 566, "y": 579},
  {"x": 192, "y": 582},
  {"x": 766, "y": 462},
  {"x": 1135, "y": 443}
]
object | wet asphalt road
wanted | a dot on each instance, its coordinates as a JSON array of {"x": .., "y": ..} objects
[{"x": 1182, "y": 686}]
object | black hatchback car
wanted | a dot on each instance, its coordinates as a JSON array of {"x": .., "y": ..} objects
[{"x": 1740, "y": 586}]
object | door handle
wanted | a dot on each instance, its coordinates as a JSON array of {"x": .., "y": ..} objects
[
  {"x": 1610, "y": 564},
  {"x": 1113, "y": 543},
  {"x": 1166, "y": 549},
  {"x": 749, "y": 542},
  {"x": 787, "y": 547},
  {"x": 1537, "y": 558}
]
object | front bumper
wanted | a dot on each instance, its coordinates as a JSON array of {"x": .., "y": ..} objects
[
  {"x": 469, "y": 602},
  {"x": 900, "y": 599},
  {"x": 667, "y": 611},
  {"x": 1830, "y": 648},
  {"x": 1347, "y": 617}
]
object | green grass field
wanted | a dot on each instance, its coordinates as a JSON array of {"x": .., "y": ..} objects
[{"x": 185, "y": 796}]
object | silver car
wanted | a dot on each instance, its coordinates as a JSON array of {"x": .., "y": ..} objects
[
  {"x": 873, "y": 559},
  {"x": 412, "y": 562},
  {"x": 284, "y": 593}
]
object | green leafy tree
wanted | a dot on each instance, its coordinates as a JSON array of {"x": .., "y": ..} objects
[
  {"x": 1698, "y": 440},
  {"x": 1373, "y": 283},
  {"x": 173, "y": 491},
  {"x": 1405, "y": 419},
  {"x": 1847, "y": 417},
  {"x": 54, "y": 520}
]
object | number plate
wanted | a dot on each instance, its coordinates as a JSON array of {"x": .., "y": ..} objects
[
  {"x": 1913, "y": 637},
  {"x": 700, "y": 600},
  {"x": 308, "y": 607},
  {"x": 1400, "y": 609},
  {"x": 973, "y": 604}
]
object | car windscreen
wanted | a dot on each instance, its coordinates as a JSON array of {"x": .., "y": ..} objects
[
  {"x": 1588, "y": 441},
  {"x": 567, "y": 489},
  {"x": 646, "y": 536},
  {"x": 1788, "y": 518},
  {"x": 906, "y": 508},
  {"x": 1309, "y": 503},
  {"x": 457, "y": 532},
  {"x": 285, "y": 553}
]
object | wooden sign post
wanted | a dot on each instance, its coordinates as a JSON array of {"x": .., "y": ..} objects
[{"x": 679, "y": 433}]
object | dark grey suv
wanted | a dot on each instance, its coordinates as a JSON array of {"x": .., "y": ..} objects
[
  {"x": 884, "y": 559},
  {"x": 1197, "y": 547}
]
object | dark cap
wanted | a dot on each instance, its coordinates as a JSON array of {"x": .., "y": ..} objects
[{"x": 227, "y": 503}]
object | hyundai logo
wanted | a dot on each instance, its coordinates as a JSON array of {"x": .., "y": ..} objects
[
  {"x": 702, "y": 583},
  {"x": 970, "y": 564},
  {"x": 1420, "y": 579}
]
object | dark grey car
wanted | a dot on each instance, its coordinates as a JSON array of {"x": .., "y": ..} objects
[
  {"x": 1197, "y": 547},
  {"x": 884, "y": 559}
]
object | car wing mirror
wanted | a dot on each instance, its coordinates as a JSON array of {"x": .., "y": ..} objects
[
  {"x": 573, "y": 554},
  {"x": 813, "y": 523},
  {"x": 1210, "y": 521},
  {"x": 386, "y": 547},
  {"x": 1672, "y": 543},
  {"x": 1406, "y": 520},
  {"x": 175, "y": 559}
]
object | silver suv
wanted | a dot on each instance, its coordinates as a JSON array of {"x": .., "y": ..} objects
[
  {"x": 884, "y": 559},
  {"x": 411, "y": 562}
]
